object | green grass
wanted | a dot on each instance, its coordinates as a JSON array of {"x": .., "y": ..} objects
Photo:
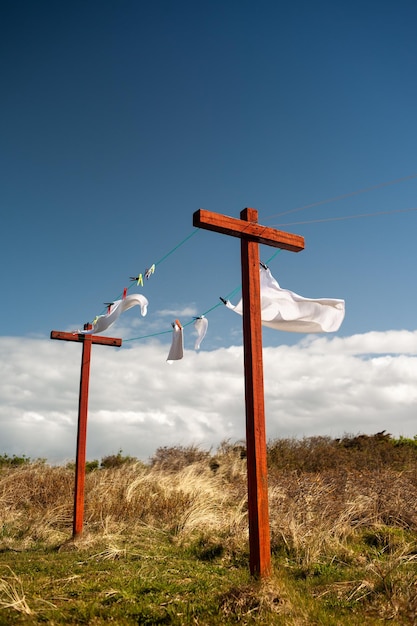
[
  {"x": 148, "y": 582},
  {"x": 152, "y": 581}
]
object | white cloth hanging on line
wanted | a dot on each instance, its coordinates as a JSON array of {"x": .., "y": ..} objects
[
  {"x": 200, "y": 325},
  {"x": 282, "y": 309},
  {"x": 102, "y": 322},
  {"x": 176, "y": 351}
]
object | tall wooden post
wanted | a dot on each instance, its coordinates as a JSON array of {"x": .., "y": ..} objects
[
  {"x": 251, "y": 234},
  {"x": 87, "y": 341}
]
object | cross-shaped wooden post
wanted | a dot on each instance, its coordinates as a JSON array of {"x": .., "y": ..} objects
[
  {"x": 251, "y": 234},
  {"x": 87, "y": 341}
]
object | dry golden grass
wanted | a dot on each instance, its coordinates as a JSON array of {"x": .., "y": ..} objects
[
  {"x": 311, "y": 512},
  {"x": 12, "y": 594},
  {"x": 351, "y": 527},
  {"x": 315, "y": 515}
]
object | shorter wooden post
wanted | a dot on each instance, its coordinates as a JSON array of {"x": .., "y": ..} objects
[{"x": 87, "y": 341}]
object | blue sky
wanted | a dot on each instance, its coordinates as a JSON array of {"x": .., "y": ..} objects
[{"x": 120, "y": 119}]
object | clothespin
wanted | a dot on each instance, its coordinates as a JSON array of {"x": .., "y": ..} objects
[
  {"x": 223, "y": 300},
  {"x": 150, "y": 271},
  {"x": 109, "y": 306},
  {"x": 176, "y": 323},
  {"x": 263, "y": 265},
  {"x": 124, "y": 293},
  {"x": 95, "y": 320},
  {"x": 138, "y": 278}
]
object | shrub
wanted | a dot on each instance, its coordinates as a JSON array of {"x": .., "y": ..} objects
[
  {"x": 13, "y": 461},
  {"x": 177, "y": 457},
  {"x": 116, "y": 460}
]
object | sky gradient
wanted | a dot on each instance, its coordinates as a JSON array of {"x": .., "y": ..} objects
[{"x": 119, "y": 120}]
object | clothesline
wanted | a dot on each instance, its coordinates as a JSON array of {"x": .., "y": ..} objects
[
  {"x": 343, "y": 196},
  {"x": 280, "y": 309},
  {"x": 153, "y": 266},
  {"x": 346, "y": 217},
  {"x": 149, "y": 271},
  {"x": 164, "y": 332},
  {"x": 221, "y": 303}
]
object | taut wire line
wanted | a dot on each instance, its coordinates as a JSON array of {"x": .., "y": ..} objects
[
  {"x": 195, "y": 231},
  {"x": 347, "y": 217},
  {"x": 343, "y": 196}
]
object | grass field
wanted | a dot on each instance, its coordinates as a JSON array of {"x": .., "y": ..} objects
[{"x": 166, "y": 542}]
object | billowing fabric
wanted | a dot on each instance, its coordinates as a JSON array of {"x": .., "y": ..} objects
[
  {"x": 102, "y": 322},
  {"x": 200, "y": 324},
  {"x": 284, "y": 310},
  {"x": 176, "y": 351}
]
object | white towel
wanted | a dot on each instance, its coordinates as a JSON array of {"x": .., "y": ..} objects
[
  {"x": 200, "y": 324},
  {"x": 176, "y": 351},
  {"x": 284, "y": 310},
  {"x": 102, "y": 322}
]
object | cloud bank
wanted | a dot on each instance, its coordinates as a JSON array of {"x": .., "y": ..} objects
[{"x": 320, "y": 386}]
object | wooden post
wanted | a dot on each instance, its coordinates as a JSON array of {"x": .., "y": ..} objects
[
  {"x": 251, "y": 234},
  {"x": 87, "y": 341}
]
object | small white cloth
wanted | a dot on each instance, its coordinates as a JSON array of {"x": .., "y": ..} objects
[
  {"x": 176, "y": 351},
  {"x": 102, "y": 322},
  {"x": 200, "y": 325},
  {"x": 282, "y": 309}
]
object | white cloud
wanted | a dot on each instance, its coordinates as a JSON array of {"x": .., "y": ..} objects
[
  {"x": 391, "y": 341},
  {"x": 363, "y": 383},
  {"x": 180, "y": 311}
]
